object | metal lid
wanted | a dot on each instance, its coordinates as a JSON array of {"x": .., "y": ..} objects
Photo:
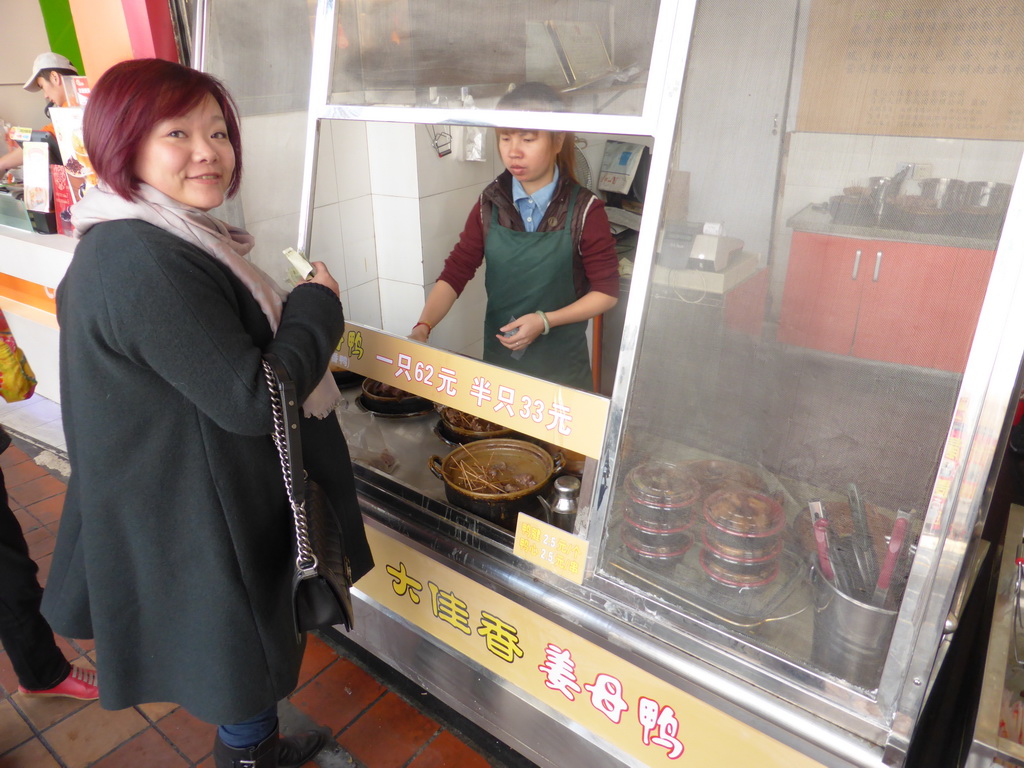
[{"x": 567, "y": 485}]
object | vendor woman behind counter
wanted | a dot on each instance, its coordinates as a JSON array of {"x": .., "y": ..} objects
[{"x": 550, "y": 254}]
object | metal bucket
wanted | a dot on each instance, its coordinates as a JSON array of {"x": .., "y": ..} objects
[{"x": 851, "y": 638}]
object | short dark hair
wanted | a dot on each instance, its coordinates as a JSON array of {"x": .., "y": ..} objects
[
  {"x": 133, "y": 96},
  {"x": 63, "y": 72},
  {"x": 532, "y": 96}
]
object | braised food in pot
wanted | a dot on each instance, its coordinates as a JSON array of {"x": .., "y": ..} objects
[
  {"x": 467, "y": 421},
  {"x": 492, "y": 477},
  {"x": 380, "y": 389}
]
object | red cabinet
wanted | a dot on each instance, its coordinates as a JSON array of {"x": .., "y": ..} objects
[{"x": 909, "y": 303}]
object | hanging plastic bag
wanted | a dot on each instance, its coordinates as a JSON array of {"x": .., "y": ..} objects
[
  {"x": 17, "y": 381},
  {"x": 469, "y": 139}
]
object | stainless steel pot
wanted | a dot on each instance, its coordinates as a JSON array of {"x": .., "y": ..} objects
[
  {"x": 946, "y": 193},
  {"x": 988, "y": 194}
]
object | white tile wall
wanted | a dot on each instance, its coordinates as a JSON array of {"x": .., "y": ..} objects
[
  {"x": 325, "y": 241},
  {"x": 274, "y": 148},
  {"x": 351, "y": 158},
  {"x": 396, "y": 223},
  {"x": 400, "y": 304},
  {"x": 821, "y": 165},
  {"x": 819, "y": 159},
  {"x": 362, "y": 304},
  {"x": 442, "y": 174},
  {"x": 442, "y": 217},
  {"x": 358, "y": 240},
  {"x": 392, "y": 152},
  {"x": 990, "y": 161},
  {"x": 462, "y": 330}
]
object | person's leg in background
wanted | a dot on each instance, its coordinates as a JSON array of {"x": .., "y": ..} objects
[{"x": 28, "y": 639}]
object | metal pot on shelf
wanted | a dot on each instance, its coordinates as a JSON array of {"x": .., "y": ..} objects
[
  {"x": 984, "y": 208},
  {"x": 988, "y": 194},
  {"x": 943, "y": 194}
]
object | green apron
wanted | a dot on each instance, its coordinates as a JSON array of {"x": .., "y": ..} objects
[{"x": 527, "y": 271}]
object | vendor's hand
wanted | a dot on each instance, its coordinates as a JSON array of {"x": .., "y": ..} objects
[
  {"x": 420, "y": 333},
  {"x": 324, "y": 278},
  {"x": 527, "y": 328}
]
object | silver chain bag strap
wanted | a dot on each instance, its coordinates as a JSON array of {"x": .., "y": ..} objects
[{"x": 322, "y": 577}]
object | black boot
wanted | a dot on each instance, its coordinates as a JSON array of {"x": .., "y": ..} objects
[
  {"x": 299, "y": 748},
  {"x": 272, "y": 752},
  {"x": 263, "y": 755}
]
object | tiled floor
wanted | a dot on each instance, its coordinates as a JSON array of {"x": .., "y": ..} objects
[{"x": 378, "y": 719}]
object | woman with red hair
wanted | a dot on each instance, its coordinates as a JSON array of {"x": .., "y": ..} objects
[{"x": 175, "y": 545}]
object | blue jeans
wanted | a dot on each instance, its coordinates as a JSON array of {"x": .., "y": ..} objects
[{"x": 251, "y": 732}]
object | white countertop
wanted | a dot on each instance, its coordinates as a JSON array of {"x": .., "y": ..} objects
[{"x": 40, "y": 259}]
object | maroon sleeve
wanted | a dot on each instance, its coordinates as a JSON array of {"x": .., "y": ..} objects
[
  {"x": 597, "y": 249},
  {"x": 467, "y": 255}
]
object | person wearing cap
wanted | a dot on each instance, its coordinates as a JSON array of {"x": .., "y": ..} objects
[{"x": 48, "y": 71}]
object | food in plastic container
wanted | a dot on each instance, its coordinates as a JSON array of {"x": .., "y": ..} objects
[{"x": 660, "y": 495}]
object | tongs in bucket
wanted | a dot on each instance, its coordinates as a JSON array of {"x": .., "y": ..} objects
[{"x": 863, "y": 546}]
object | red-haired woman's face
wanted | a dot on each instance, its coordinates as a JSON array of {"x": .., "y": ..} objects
[{"x": 189, "y": 158}]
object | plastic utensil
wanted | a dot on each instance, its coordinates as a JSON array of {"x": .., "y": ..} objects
[
  {"x": 892, "y": 555},
  {"x": 820, "y": 524}
]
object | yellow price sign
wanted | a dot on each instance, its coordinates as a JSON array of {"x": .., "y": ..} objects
[
  {"x": 550, "y": 548},
  {"x": 562, "y": 416}
]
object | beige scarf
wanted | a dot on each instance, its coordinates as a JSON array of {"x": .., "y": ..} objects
[{"x": 227, "y": 244}]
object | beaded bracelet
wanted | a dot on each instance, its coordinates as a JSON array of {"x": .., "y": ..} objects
[
  {"x": 423, "y": 322},
  {"x": 547, "y": 325}
]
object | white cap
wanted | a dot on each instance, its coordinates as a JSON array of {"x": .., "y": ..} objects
[{"x": 48, "y": 60}]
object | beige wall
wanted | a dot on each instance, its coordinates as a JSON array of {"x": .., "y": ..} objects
[{"x": 25, "y": 38}]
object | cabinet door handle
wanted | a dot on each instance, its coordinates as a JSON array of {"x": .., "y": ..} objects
[
  {"x": 878, "y": 265},
  {"x": 856, "y": 264}
]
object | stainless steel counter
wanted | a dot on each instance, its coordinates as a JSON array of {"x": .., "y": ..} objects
[{"x": 410, "y": 440}]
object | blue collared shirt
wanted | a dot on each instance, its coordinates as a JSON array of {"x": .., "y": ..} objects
[{"x": 532, "y": 207}]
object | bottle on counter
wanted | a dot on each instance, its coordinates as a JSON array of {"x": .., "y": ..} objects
[{"x": 562, "y": 510}]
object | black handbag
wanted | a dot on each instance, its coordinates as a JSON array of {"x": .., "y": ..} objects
[{"x": 322, "y": 577}]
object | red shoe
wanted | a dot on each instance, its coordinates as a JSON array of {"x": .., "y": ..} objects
[{"x": 79, "y": 684}]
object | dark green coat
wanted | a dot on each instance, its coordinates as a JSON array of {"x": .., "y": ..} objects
[{"x": 174, "y": 550}]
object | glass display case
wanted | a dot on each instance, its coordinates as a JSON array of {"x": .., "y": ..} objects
[{"x": 814, "y": 361}]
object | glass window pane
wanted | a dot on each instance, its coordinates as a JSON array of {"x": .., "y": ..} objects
[
  {"x": 276, "y": 79},
  {"x": 825, "y": 245},
  {"x": 435, "y": 52}
]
